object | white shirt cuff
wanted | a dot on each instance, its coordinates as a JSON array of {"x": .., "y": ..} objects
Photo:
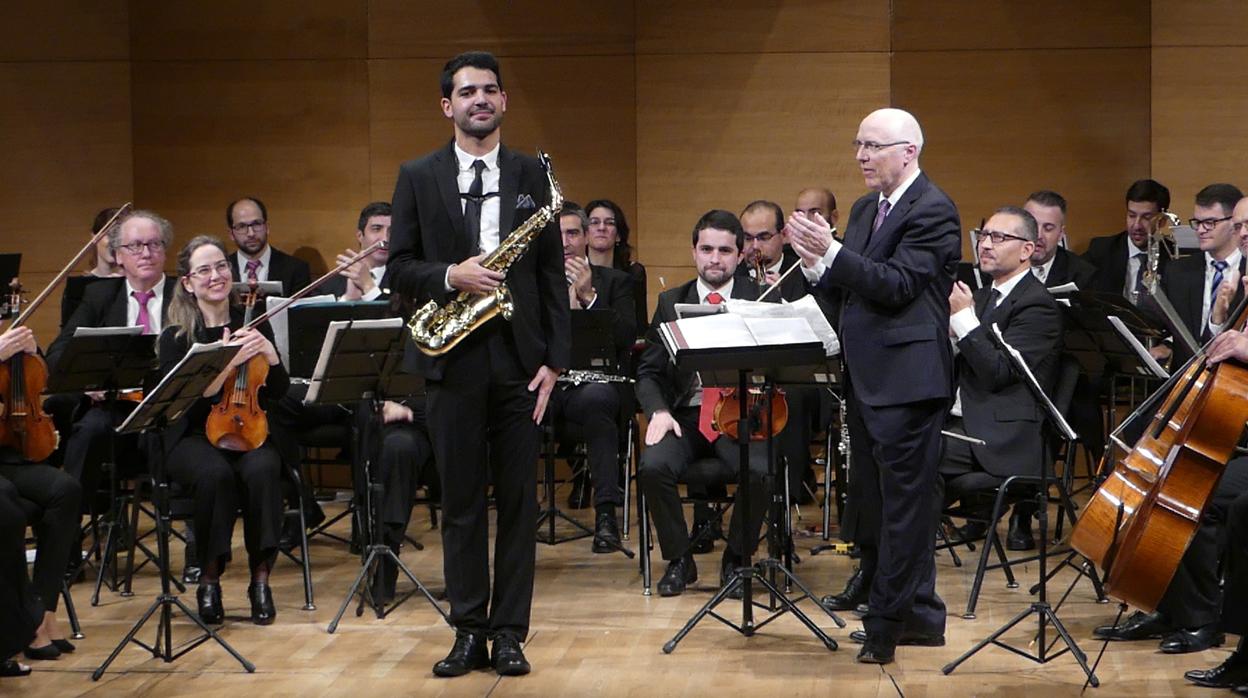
[
  {"x": 446, "y": 280},
  {"x": 591, "y": 302},
  {"x": 373, "y": 294},
  {"x": 963, "y": 322},
  {"x": 1216, "y": 329},
  {"x": 813, "y": 274}
]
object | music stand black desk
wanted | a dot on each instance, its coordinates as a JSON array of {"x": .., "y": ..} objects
[
  {"x": 165, "y": 404},
  {"x": 741, "y": 367},
  {"x": 309, "y": 323},
  {"x": 109, "y": 360},
  {"x": 360, "y": 361}
]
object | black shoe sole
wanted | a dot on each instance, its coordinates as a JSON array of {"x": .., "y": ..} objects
[{"x": 450, "y": 673}]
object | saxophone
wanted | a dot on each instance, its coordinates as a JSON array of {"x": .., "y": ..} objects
[{"x": 437, "y": 329}]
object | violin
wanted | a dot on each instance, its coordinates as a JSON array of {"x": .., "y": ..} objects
[
  {"x": 237, "y": 422},
  {"x": 767, "y": 416}
]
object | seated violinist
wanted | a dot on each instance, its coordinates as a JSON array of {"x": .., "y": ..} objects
[
  {"x": 1187, "y": 618},
  {"x": 679, "y": 411},
  {"x": 223, "y": 481},
  {"x": 57, "y": 497}
]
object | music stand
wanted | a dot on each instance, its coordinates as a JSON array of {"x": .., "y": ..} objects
[
  {"x": 175, "y": 394},
  {"x": 359, "y": 361},
  {"x": 739, "y": 367},
  {"x": 309, "y": 323},
  {"x": 108, "y": 359},
  {"x": 1040, "y": 606}
]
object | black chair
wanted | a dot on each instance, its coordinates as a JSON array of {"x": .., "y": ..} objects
[{"x": 706, "y": 481}]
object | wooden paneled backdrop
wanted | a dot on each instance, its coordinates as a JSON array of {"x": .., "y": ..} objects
[{"x": 668, "y": 107}]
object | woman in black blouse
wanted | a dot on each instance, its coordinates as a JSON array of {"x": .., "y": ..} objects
[
  {"x": 609, "y": 247},
  {"x": 221, "y": 481}
]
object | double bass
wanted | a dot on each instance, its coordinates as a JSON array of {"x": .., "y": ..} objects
[{"x": 1141, "y": 519}]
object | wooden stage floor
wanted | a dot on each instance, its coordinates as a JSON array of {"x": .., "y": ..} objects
[{"x": 593, "y": 633}]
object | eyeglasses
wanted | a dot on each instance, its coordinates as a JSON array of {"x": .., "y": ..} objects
[
  {"x": 137, "y": 247},
  {"x": 761, "y": 237},
  {"x": 222, "y": 268},
  {"x": 996, "y": 236},
  {"x": 873, "y": 147},
  {"x": 1206, "y": 223},
  {"x": 241, "y": 227}
]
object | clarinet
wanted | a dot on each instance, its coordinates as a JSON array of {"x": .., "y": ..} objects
[{"x": 579, "y": 376}]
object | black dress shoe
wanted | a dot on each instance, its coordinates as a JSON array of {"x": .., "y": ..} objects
[
  {"x": 856, "y": 591},
  {"x": 507, "y": 657},
  {"x": 12, "y": 669},
  {"x": 877, "y": 651},
  {"x": 263, "y": 611},
  {"x": 1229, "y": 674},
  {"x": 702, "y": 538},
  {"x": 971, "y": 531},
  {"x": 65, "y": 646},
  {"x": 208, "y": 599},
  {"x": 48, "y": 651},
  {"x": 1019, "y": 536},
  {"x": 727, "y": 565},
  {"x": 1137, "y": 626},
  {"x": 680, "y": 573},
  {"x": 606, "y": 534},
  {"x": 1198, "y": 640},
  {"x": 907, "y": 637},
  {"x": 467, "y": 654}
]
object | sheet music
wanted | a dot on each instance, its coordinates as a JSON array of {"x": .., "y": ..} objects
[
  {"x": 195, "y": 349},
  {"x": 805, "y": 308},
  {"x": 280, "y": 323},
  {"x": 336, "y": 328},
  {"x": 1139, "y": 348},
  {"x": 1069, "y": 287}
]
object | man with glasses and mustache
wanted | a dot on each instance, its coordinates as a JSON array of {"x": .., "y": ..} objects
[
  {"x": 140, "y": 297},
  {"x": 247, "y": 220},
  {"x": 890, "y": 280}
]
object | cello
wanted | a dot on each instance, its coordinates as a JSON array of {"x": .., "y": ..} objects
[
  {"x": 238, "y": 422},
  {"x": 25, "y": 427},
  {"x": 1141, "y": 519}
]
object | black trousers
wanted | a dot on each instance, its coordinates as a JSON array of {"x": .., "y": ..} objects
[
  {"x": 662, "y": 467},
  {"x": 794, "y": 441},
  {"x": 590, "y": 413},
  {"x": 401, "y": 460},
  {"x": 58, "y": 498},
  {"x": 1194, "y": 598},
  {"x": 89, "y": 446},
  {"x": 222, "y": 482},
  {"x": 1235, "y": 567},
  {"x": 896, "y": 451},
  {"x": 480, "y": 418},
  {"x": 20, "y": 610}
]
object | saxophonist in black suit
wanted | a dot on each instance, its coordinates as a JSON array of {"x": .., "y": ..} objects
[{"x": 487, "y": 395}]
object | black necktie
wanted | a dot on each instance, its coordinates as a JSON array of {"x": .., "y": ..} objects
[
  {"x": 1142, "y": 257},
  {"x": 985, "y": 316},
  {"x": 472, "y": 207}
]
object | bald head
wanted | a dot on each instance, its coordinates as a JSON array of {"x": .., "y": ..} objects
[
  {"x": 887, "y": 149},
  {"x": 899, "y": 124}
]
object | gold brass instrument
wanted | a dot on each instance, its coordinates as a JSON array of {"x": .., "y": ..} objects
[
  {"x": 1160, "y": 236},
  {"x": 437, "y": 329}
]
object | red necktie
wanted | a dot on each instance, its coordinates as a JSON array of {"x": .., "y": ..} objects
[{"x": 710, "y": 396}]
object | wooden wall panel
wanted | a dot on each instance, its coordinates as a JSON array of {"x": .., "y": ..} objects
[
  {"x": 65, "y": 30},
  {"x": 1199, "y": 120},
  {"x": 1000, "y": 124},
  {"x": 957, "y": 25},
  {"x": 591, "y": 137},
  {"x": 243, "y": 30},
  {"x": 717, "y": 131},
  {"x": 402, "y": 29},
  {"x": 294, "y": 133},
  {"x": 761, "y": 26},
  {"x": 1187, "y": 23},
  {"x": 65, "y": 132}
]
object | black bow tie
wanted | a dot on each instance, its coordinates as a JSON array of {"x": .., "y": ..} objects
[{"x": 477, "y": 199}]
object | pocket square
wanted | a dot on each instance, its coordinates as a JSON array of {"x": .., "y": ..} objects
[{"x": 525, "y": 201}]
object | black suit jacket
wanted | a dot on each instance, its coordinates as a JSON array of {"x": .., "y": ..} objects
[
  {"x": 293, "y": 272},
  {"x": 615, "y": 295},
  {"x": 103, "y": 304},
  {"x": 1109, "y": 255},
  {"x": 659, "y": 383},
  {"x": 996, "y": 406},
  {"x": 893, "y": 296},
  {"x": 1069, "y": 267},
  {"x": 427, "y": 236},
  {"x": 1184, "y": 284}
]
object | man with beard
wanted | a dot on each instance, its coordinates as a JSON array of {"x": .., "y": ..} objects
[
  {"x": 487, "y": 395},
  {"x": 1120, "y": 259},
  {"x": 247, "y": 221}
]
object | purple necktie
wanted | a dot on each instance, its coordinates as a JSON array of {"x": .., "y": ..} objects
[
  {"x": 252, "y": 266},
  {"x": 145, "y": 320},
  {"x": 880, "y": 215}
]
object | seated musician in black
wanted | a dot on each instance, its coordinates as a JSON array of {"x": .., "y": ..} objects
[
  {"x": 590, "y": 412},
  {"x": 402, "y": 458},
  {"x": 1186, "y": 620},
  {"x": 679, "y": 411},
  {"x": 222, "y": 481},
  {"x": 992, "y": 404},
  {"x": 57, "y": 497}
]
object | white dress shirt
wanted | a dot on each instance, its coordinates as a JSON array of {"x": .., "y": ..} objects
[
  {"x": 153, "y": 306},
  {"x": 704, "y": 290},
  {"x": 813, "y": 274},
  {"x": 1042, "y": 272},
  {"x": 489, "y": 185},
  {"x": 1232, "y": 270}
]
